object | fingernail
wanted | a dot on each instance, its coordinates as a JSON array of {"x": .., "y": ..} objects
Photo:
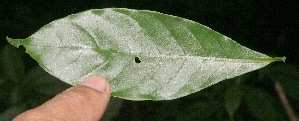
[{"x": 96, "y": 82}]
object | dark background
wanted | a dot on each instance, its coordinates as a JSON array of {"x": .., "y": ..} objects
[{"x": 267, "y": 26}]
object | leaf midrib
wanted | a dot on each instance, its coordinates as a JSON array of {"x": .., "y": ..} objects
[{"x": 245, "y": 60}]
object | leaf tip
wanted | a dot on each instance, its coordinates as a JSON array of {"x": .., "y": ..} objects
[
  {"x": 283, "y": 59},
  {"x": 15, "y": 42}
]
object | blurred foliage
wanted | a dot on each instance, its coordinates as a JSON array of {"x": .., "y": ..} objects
[{"x": 266, "y": 26}]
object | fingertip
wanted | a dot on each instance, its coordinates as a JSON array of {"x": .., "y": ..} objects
[
  {"x": 98, "y": 83},
  {"x": 88, "y": 101}
]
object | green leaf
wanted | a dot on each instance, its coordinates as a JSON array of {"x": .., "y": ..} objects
[
  {"x": 232, "y": 99},
  {"x": 287, "y": 75},
  {"x": 1, "y": 81},
  {"x": 12, "y": 64},
  {"x": 113, "y": 109},
  {"x": 261, "y": 104},
  {"x": 146, "y": 55},
  {"x": 12, "y": 112},
  {"x": 45, "y": 83}
]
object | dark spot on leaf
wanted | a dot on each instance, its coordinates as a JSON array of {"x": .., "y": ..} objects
[{"x": 137, "y": 60}]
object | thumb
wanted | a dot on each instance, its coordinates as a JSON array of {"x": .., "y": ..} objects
[{"x": 85, "y": 102}]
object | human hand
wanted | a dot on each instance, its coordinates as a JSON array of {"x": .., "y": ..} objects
[{"x": 86, "y": 102}]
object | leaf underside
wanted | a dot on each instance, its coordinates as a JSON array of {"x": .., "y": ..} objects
[{"x": 145, "y": 55}]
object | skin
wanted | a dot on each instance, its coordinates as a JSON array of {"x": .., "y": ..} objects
[{"x": 86, "y": 102}]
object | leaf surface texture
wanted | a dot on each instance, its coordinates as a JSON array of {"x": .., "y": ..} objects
[{"x": 145, "y": 55}]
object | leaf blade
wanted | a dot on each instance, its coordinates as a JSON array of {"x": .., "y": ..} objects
[{"x": 178, "y": 56}]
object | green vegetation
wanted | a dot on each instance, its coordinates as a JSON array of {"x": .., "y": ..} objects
[
  {"x": 25, "y": 85},
  {"x": 178, "y": 56}
]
